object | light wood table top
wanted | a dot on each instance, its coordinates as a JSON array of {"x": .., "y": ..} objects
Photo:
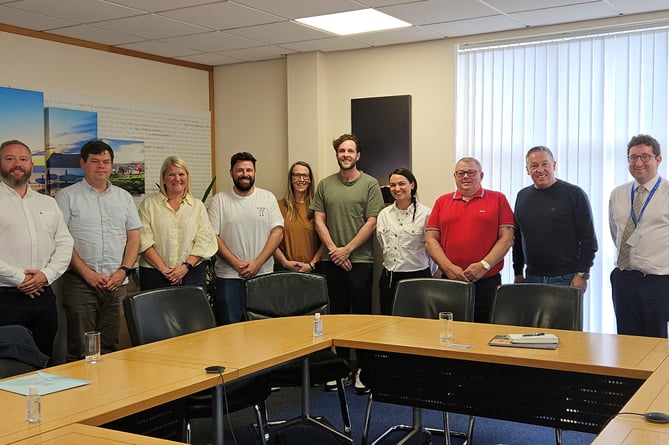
[
  {"x": 128, "y": 381},
  {"x": 90, "y": 435},
  {"x": 603, "y": 354},
  {"x": 118, "y": 388},
  {"x": 252, "y": 346}
]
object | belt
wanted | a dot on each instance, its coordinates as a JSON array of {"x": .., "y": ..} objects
[{"x": 7, "y": 290}]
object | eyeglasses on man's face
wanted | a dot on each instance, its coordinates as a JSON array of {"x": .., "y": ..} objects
[
  {"x": 644, "y": 158},
  {"x": 463, "y": 173},
  {"x": 303, "y": 176}
]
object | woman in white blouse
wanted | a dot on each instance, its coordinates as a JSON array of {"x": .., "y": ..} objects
[
  {"x": 177, "y": 239},
  {"x": 400, "y": 229}
]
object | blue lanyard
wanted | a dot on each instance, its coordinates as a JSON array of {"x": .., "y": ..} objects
[{"x": 643, "y": 208}]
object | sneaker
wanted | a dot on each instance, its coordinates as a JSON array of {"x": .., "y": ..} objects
[
  {"x": 360, "y": 388},
  {"x": 331, "y": 385}
]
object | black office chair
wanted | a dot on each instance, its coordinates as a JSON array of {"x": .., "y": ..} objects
[
  {"x": 285, "y": 294},
  {"x": 173, "y": 311},
  {"x": 423, "y": 298},
  {"x": 18, "y": 352},
  {"x": 540, "y": 306}
]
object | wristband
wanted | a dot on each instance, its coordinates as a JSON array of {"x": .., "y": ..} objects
[{"x": 313, "y": 266}]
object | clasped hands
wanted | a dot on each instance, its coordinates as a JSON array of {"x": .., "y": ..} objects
[
  {"x": 33, "y": 283},
  {"x": 340, "y": 256},
  {"x": 472, "y": 273}
]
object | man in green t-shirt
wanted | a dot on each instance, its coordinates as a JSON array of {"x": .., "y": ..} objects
[{"x": 345, "y": 209}]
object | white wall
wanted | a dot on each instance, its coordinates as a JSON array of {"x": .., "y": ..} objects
[
  {"x": 317, "y": 89},
  {"x": 250, "y": 102},
  {"x": 42, "y": 65}
]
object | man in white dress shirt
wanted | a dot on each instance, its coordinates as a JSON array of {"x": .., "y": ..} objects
[
  {"x": 36, "y": 248},
  {"x": 639, "y": 222}
]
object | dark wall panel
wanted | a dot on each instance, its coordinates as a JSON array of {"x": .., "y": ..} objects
[{"x": 383, "y": 125}]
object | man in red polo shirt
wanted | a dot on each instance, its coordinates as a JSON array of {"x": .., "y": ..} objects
[{"x": 468, "y": 233}]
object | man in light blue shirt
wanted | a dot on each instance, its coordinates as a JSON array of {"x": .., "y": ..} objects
[{"x": 105, "y": 226}]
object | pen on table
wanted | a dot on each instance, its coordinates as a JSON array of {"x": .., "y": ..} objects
[{"x": 536, "y": 334}]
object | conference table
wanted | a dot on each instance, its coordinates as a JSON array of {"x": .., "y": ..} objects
[{"x": 132, "y": 380}]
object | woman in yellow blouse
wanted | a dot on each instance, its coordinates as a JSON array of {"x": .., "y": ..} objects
[
  {"x": 300, "y": 248},
  {"x": 176, "y": 237}
]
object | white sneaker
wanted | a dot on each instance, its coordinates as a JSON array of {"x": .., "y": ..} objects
[
  {"x": 331, "y": 385},
  {"x": 360, "y": 388}
]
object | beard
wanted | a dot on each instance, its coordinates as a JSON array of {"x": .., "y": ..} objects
[
  {"x": 14, "y": 181},
  {"x": 244, "y": 187},
  {"x": 350, "y": 167}
]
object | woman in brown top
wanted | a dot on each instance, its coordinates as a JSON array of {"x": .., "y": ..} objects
[{"x": 300, "y": 248}]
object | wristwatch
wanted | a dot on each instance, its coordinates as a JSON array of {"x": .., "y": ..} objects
[
  {"x": 485, "y": 265},
  {"x": 584, "y": 275},
  {"x": 126, "y": 269},
  {"x": 188, "y": 265}
]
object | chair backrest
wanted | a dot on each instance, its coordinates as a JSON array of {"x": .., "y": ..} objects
[
  {"x": 538, "y": 305},
  {"x": 426, "y": 297},
  {"x": 284, "y": 294},
  {"x": 167, "y": 312}
]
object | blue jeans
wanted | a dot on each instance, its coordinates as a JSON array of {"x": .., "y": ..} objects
[
  {"x": 562, "y": 280},
  {"x": 229, "y": 301}
]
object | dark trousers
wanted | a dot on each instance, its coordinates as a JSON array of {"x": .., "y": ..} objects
[
  {"x": 388, "y": 283},
  {"x": 641, "y": 302},
  {"x": 88, "y": 309},
  {"x": 229, "y": 300},
  {"x": 350, "y": 292},
  {"x": 150, "y": 278},
  {"x": 484, "y": 293},
  {"x": 37, "y": 314}
]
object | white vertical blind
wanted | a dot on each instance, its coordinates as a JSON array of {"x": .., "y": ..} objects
[{"x": 584, "y": 97}]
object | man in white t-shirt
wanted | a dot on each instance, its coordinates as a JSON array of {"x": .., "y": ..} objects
[{"x": 249, "y": 228}]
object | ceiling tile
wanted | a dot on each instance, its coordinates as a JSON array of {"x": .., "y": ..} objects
[
  {"x": 329, "y": 44},
  {"x": 159, "y": 5},
  {"x": 159, "y": 48},
  {"x": 572, "y": 13},
  {"x": 29, "y": 20},
  {"x": 276, "y": 33},
  {"x": 636, "y": 6},
  {"x": 481, "y": 25},
  {"x": 222, "y": 16},
  {"x": 80, "y": 11},
  {"x": 436, "y": 11},
  {"x": 97, "y": 35},
  {"x": 213, "y": 42},
  {"x": 292, "y": 9},
  {"x": 524, "y": 5},
  {"x": 259, "y": 53},
  {"x": 395, "y": 36},
  {"x": 151, "y": 26}
]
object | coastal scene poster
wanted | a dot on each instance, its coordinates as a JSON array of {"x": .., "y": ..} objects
[{"x": 22, "y": 118}]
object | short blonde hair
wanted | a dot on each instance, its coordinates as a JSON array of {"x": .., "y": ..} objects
[{"x": 173, "y": 161}]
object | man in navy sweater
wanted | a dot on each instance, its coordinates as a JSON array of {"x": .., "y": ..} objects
[{"x": 554, "y": 237}]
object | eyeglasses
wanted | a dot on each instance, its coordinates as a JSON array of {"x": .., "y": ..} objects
[
  {"x": 462, "y": 173},
  {"x": 304, "y": 176},
  {"x": 644, "y": 158}
]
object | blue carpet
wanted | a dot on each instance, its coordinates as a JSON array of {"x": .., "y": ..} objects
[{"x": 285, "y": 404}]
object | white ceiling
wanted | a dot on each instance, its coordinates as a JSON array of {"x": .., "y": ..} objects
[{"x": 231, "y": 31}]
